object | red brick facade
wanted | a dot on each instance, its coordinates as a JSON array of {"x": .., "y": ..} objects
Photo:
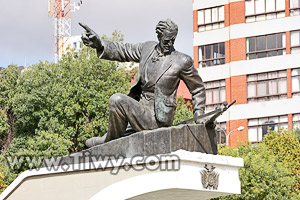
[
  {"x": 287, "y": 8},
  {"x": 196, "y": 61},
  {"x": 184, "y": 91},
  {"x": 288, "y": 42},
  {"x": 237, "y": 137},
  {"x": 228, "y": 89},
  {"x": 227, "y": 51},
  {"x": 195, "y": 21},
  {"x": 239, "y": 89},
  {"x": 237, "y": 12},
  {"x": 227, "y": 15},
  {"x": 290, "y": 118},
  {"x": 289, "y": 83},
  {"x": 235, "y": 50}
]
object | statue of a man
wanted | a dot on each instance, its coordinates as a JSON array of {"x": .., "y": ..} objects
[{"x": 151, "y": 102}]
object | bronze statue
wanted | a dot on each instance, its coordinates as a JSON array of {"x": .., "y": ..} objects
[{"x": 151, "y": 102}]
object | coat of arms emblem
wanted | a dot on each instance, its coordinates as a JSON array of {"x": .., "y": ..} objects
[{"x": 210, "y": 178}]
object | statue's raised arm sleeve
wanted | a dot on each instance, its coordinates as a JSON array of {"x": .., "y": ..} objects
[
  {"x": 189, "y": 75},
  {"x": 117, "y": 51}
]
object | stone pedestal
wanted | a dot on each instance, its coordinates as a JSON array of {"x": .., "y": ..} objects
[{"x": 194, "y": 138}]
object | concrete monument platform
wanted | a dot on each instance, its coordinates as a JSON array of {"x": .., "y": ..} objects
[
  {"x": 178, "y": 175},
  {"x": 194, "y": 138}
]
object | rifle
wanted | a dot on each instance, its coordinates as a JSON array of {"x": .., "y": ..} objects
[{"x": 210, "y": 116}]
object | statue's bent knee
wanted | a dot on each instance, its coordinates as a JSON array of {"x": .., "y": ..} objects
[{"x": 115, "y": 100}]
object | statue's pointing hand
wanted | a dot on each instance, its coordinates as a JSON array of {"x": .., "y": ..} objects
[{"x": 90, "y": 37}]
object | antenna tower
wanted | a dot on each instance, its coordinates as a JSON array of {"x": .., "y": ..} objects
[{"x": 60, "y": 11}]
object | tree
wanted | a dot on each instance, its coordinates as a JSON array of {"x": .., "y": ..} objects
[
  {"x": 3, "y": 185},
  {"x": 69, "y": 98},
  {"x": 50, "y": 109},
  {"x": 296, "y": 130},
  {"x": 4, "y": 126},
  {"x": 285, "y": 146},
  {"x": 268, "y": 171},
  {"x": 8, "y": 82},
  {"x": 43, "y": 145},
  {"x": 183, "y": 110}
]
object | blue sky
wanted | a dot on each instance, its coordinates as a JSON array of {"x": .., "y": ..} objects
[{"x": 27, "y": 31}]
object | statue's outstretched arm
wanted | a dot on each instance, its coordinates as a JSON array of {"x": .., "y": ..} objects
[{"x": 115, "y": 51}]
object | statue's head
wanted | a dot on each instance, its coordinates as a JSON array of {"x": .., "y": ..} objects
[{"x": 166, "y": 33}]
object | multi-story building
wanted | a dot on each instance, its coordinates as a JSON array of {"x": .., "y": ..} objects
[{"x": 249, "y": 51}]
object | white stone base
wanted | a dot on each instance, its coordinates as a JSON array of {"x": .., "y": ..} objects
[{"x": 172, "y": 177}]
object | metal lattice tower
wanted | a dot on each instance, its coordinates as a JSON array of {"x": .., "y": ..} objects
[{"x": 60, "y": 10}]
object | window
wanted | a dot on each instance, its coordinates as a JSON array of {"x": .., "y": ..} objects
[
  {"x": 213, "y": 54},
  {"x": 267, "y": 86},
  {"x": 266, "y": 46},
  {"x": 258, "y": 10},
  {"x": 295, "y": 41},
  {"x": 215, "y": 94},
  {"x": 294, "y": 7},
  {"x": 211, "y": 18},
  {"x": 296, "y": 82},
  {"x": 296, "y": 120},
  {"x": 258, "y": 128},
  {"x": 74, "y": 45},
  {"x": 221, "y": 132}
]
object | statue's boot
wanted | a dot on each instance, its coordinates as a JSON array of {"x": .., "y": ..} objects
[{"x": 94, "y": 141}]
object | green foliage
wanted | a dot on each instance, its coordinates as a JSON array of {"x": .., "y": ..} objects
[
  {"x": 296, "y": 130},
  {"x": 286, "y": 147},
  {"x": 32, "y": 149},
  {"x": 8, "y": 175},
  {"x": 268, "y": 172},
  {"x": 3, "y": 185},
  {"x": 8, "y": 84},
  {"x": 3, "y": 122},
  {"x": 117, "y": 36},
  {"x": 183, "y": 110},
  {"x": 50, "y": 109},
  {"x": 69, "y": 98},
  {"x": 43, "y": 145}
]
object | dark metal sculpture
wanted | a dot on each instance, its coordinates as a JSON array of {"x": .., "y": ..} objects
[
  {"x": 210, "y": 117},
  {"x": 209, "y": 178},
  {"x": 151, "y": 102}
]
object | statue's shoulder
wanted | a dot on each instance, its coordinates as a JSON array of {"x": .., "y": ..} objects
[
  {"x": 150, "y": 44},
  {"x": 183, "y": 58}
]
